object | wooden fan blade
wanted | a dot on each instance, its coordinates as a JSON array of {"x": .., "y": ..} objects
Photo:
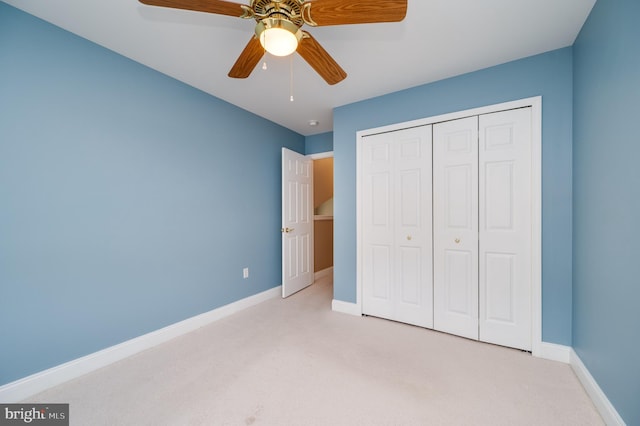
[
  {"x": 211, "y": 6},
  {"x": 343, "y": 12},
  {"x": 248, "y": 59},
  {"x": 320, "y": 60}
]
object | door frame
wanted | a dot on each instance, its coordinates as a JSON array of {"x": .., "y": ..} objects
[{"x": 536, "y": 202}]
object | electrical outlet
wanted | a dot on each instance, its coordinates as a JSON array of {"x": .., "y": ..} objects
[{"x": 245, "y": 273}]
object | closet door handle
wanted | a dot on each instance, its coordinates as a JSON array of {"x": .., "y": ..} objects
[{"x": 457, "y": 240}]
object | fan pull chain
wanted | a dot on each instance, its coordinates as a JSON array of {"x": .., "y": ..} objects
[
  {"x": 291, "y": 80},
  {"x": 264, "y": 64}
]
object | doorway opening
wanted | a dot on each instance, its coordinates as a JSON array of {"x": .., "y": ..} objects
[
  {"x": 323, "y": 214},
  {"x": 307, "y": 220}
]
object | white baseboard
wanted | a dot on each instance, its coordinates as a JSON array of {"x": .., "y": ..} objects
[
  {"x": 346, "y": 307},
  {"x": 554, "y": 352},
  {"x": 603, "y": 405},
  {"x": 323, "y": 273},
  {"x": 31, "y": 385}
]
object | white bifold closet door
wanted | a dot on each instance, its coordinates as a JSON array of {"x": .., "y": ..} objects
[
  {"x": 396, "y": 226},
  {"x": 505, "y": 183},
  {"x": 455, "y": 227},
  {"x": 482, "y": 227}
]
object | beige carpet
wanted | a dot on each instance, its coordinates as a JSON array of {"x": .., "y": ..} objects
[{"x": 294, "y": 362}]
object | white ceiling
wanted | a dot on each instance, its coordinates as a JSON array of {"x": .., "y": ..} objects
[{"x": 438, "y": 39}]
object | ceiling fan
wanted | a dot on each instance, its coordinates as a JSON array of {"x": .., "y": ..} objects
[{"x": 278, "y": 29}]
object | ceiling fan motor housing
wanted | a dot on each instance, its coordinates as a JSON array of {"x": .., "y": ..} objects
[{"x": 289, "y": 10}]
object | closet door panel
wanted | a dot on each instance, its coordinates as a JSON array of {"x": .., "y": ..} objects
[
  {"x": 397, "y": 281},
  {"x": 409, "y": 239},
  {"x": 455, "y": 227},
  {"x": 505, "y": 228},
  {"x": 414, "y": 234},
  {"x": 457, "y": 287},
  {"x": 378, "y": 225},
  {"x": 410, "y": 276},
  {"x": 413, "y": 274}
]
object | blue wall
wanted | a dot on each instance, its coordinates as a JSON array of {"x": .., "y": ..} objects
[
  {"x": 607, "y": 202},
  {"x": 549, "y": 75},
  {"x": 130, "y": 201},
  {"x": 123, "y": 208},
  {"x": 316, "y": 144}
]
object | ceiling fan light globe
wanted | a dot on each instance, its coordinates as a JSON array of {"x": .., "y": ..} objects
[
  {"x": 278, "y": 41},
  {"x": 278, "y": 36}
]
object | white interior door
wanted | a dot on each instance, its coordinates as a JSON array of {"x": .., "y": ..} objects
[
  {"x": 455, "y": 227},
  {"x": 505, "y": 228},
  {"x": 396, "y": 232},
  {"x": 297, "y": 222}
]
